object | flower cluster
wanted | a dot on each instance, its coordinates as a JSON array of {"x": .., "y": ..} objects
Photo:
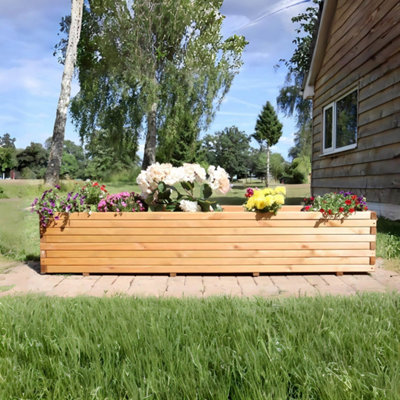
[
  {"x": 81, "y": 199},
  {"x": 336, "y": 205},
  {"x": 122, "y": 202},
  {"x": 265, "y": 200},
  {"x": 162, "y": 184}
]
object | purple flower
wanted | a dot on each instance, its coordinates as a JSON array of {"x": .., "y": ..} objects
[{"x": 57, "y": 187}]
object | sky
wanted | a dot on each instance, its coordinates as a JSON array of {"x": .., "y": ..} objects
[{"x": 30, "y": 75}]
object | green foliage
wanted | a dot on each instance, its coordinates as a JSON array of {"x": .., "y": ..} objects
[
  {"x": 33, "y": 160},
  {"x": 268, "y": 129},
  {"x": 7, "y": 141},
  {"x": 298, "y": 171},
  {"x": 2, "y": 194},
  {"x": 290, "y": 99},
  {"x": 230, "y": 149},
  {"x": 133, "y": 55},
  {"x": 217, "y": 348},
  {"x": 8, "y": 158},
  {"x": 388, "y": 239},
  {"x": 278, "y": 164}
]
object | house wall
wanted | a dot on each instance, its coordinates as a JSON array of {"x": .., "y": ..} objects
[{"x": 363, "y": 51}]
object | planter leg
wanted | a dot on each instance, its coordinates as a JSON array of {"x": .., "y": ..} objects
[
  {"x": 255, "y": 274},
  {"x": 85, "y": 273},
  {"x": 172, "y": 274},
  {"x": 339, "y": 273}
]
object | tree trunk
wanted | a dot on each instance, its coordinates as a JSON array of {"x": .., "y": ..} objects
[
  {"x": 149, "y": 156},
  {"x": 267, "y": 177},
  {"x": 52, "y": 176}
]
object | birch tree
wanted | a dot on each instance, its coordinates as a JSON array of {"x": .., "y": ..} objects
[
  {"x": 163, "y": 63},
  {"x": 56, "y": 151}
]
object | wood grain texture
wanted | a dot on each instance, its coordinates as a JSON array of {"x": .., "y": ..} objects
[
  {"x": 208, "y": 243},
  {"x": 362, "y": 52}
]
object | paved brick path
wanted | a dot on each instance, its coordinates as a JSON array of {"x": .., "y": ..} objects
[{"x": 24, "y": 278}]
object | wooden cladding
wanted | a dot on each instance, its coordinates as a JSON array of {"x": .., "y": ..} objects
[
  {"x": 233, "y": 241},
  {"x": 362, "y": 51}
]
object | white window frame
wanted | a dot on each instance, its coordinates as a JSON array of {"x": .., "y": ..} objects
[{"x": 333, "y": 148}]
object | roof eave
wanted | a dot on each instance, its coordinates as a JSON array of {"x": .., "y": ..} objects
[{"x": 328, "y": 12}]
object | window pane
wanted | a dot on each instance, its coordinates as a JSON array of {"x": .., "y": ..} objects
[
  {"x": 346, "y": 120},
  {"x": 328, "y": 128}
]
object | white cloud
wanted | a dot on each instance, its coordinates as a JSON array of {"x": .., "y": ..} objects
[{"x": 39, "y": 77}]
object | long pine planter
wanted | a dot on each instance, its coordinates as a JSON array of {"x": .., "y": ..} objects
[{"x": 233, "y": 241}]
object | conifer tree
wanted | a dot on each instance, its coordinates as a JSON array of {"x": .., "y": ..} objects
[{"x": 268, "y": 130}]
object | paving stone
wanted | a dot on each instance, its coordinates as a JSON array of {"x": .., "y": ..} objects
[
  {"x": 25, "y": 279},
  {"x": 193, "y": 286},
  {"x": 265, "y": 287},
  {"x": 74, "y": 285},
  {"x": 121, "y": 285},
  {"x": 363, "y": 283},
  {"x": 175, "y": 286},
  {"x": 221, "y": 286},
  {"x": 148, "y": 285},
  {"x": 103, "y": 285}
]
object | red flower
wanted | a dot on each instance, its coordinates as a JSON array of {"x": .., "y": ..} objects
[
  {"x": 312, "y": 198},
  {"x": 354, "y": 197},
  {"x": 322, "y": 210},
  {"x": 330, "y": 211},
  {"x": 351, "y": 210},
  {"x": 348, "y": 202},
  {"x": 341, "y": 209},
  {"x": 95, "y": 184},
  {"x": 307, "y": 208},
  {"x": 365, "y": 208}
]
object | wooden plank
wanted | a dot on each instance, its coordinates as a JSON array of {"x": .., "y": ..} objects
[
  {"x": 383, "y": 96},
  {"x": 380, "y": 167},
  {"x": 287, "y": 212},
  {"x": 359, "y": 183},
  {"x": 382, "y": 31},
  {"x": 204, "y": 269},
  {"x": 196, "y": 253},
  {"x": 362, "y": 65},
  {"x": 213, "y": 224},
  {"x": 356, "y": 35},
  {"x": 205, "y": 261},
  {"x": 208, "y": 246},
  {"x": 209, "y": 239},
  {"x": 208, "y": 231}
]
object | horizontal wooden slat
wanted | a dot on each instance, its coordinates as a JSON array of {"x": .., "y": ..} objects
[
  {"x": 204, "y": 269},
  {"x": 206, "y": 246},
  {"x": 205, "y": 261},
  {"x": 207, "y": 231},
  {"x": 207, "y": 238},
  {"x": 235, "y": 213},
  {"x": 195, "y": 253},
  {"x": 344, "y": 222}
]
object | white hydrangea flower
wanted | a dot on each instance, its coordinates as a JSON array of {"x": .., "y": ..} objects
[
  {"x": 189, "y": 206},
  {"x": 218, "y": 179}
]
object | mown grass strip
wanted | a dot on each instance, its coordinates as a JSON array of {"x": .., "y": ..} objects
[{"x": 219, "y": 348}]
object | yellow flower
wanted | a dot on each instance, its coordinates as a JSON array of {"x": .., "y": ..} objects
[
  {"x": 280, "y": 190},
  {"x": 250, "y": 203},
  {"x": 267, "y": 191},
  {"x": 269, "y": 200},
  {"x": 279, "y": 199},
  {"x": 260, "y": 203},
  {"x": 258, "y": 193}
]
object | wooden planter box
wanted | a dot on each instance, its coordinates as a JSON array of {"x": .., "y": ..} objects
[{"x": 233, "y": 241}]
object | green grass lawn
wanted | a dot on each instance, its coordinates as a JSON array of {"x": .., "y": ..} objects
[{"x": 126, "y": 348}]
